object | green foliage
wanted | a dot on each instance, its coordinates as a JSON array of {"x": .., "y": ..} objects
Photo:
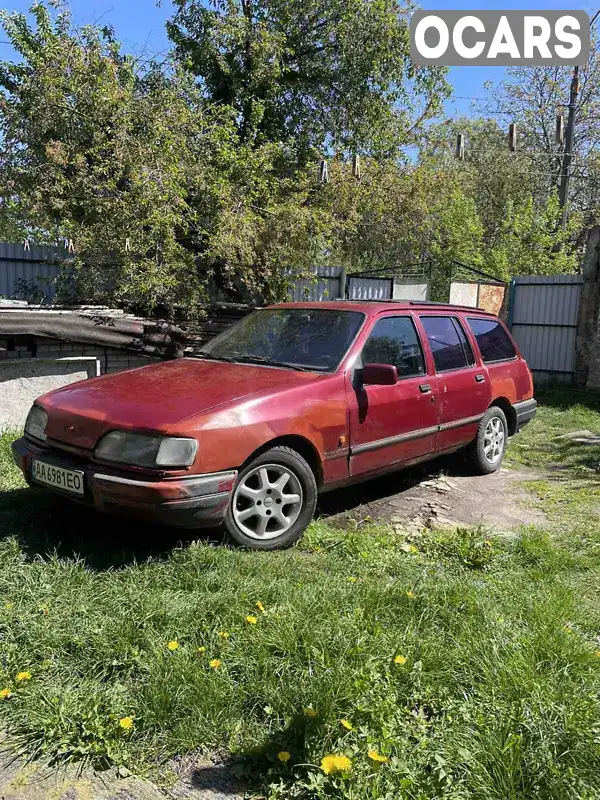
[
  {"x": 149, "y": 181},
  {"x": 198, "y": 177},
  {"x": 317, "y": 75},
  {"x": 531, "y": 97},
  {"x": 470, "y": 547},
  {"x": 535, "y": 549},
  {"x": 519, "y": 230}
]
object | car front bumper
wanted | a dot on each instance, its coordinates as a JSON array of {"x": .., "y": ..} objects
[{"x": 197, "y": 501}]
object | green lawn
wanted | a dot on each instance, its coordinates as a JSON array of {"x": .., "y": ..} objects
[{"x": 495, "y": 693}]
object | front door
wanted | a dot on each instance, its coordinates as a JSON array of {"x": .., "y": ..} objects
[
  {"x": 392, "y": 424},
  {"x": 463, "y": 384}
]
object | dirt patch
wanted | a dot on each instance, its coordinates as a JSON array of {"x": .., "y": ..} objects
[
  {"x": 195, "y": 778},
  {"x": 450, "y": 496},
  {"x": 205, "y": 778}
]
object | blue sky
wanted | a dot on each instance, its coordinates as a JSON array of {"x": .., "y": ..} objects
[{"x": 140, "y": 26}]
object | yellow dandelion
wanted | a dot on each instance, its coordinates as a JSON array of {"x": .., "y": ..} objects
[
  {"x": 223, "y": 634},
  {"x": 335, "y": 763},
  {"x": 215, "y": 663},
  {"x": 488, "y": 543},
  {"x": 400, "y": 659},
  {"x": 284, "y": 756},
  {"x": 260, "y": 607},
  {"x": 126, "y": 723},
  {"x": 598, "y": 653},
  {"x": 413, "y": 549},
  {"x": 5, "y": 693},
  {"x": 23, "y": 676},
  {"x": 251, "y": 620},
  {"x": 309, "y": 712},
  {"x": 172, "y": 645},
  {"x": 352, "y": 578},
  {"x": 411, "y": 595},
  {"x": 377, "y": 758},
  {"x": 201, "y": 649},
  {"x": 346, "y": 724}
]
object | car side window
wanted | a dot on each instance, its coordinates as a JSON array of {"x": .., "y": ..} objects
[
  {"x": 394, "y": 340},
  {"x": 448, "y": 343},
  {"x": 492, "y": 339}
]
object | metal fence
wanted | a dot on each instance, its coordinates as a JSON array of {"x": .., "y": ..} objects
[
  {"x": 363, "y": 288},
  {"x": 37, "y": 265},
  {"x": 331, "y": 283},
  {"x": 542, "y": 315}
]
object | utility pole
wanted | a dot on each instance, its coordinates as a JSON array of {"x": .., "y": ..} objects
[{"x": 563, "y": 194}]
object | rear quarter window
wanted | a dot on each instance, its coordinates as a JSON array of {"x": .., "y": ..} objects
[{"x": 492, "y": 339}]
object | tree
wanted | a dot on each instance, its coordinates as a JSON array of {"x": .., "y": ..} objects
[
  {"x": 397, "y": 215},
  {"x": 531, "y": 97},
  {"x": 518, "y": 212},
  {"x": 316, "y": 74},
  {"x": 149, "y": 181}
]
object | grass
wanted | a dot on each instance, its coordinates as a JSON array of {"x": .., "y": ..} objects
[{"x": 495, "y": 694}]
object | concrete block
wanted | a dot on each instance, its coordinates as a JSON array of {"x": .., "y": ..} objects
[{"x": 23, "y": 380}]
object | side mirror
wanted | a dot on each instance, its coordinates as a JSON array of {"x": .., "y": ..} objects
[{"x": 380, "y": 374}]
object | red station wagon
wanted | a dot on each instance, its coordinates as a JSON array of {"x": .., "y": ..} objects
[{"x": 295, "y": 399}]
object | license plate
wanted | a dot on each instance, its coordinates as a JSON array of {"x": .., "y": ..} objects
[{"x": 69, "y": 480}]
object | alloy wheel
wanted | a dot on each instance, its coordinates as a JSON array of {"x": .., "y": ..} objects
[
  {"x": 267, "y": 501},
  {"x": 493, "y": 440}
]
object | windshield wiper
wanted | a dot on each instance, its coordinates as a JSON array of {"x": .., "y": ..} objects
[
  {"x": 271, "y": 362},
  {"x": 204, "y": 354}
]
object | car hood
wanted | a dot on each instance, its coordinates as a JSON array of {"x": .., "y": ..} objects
[{"x": 156, "y": 397}]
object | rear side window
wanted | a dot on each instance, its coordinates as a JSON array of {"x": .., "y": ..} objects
[
  {"x": 448, "y": 343},
  {"x": 394, "y": 340},
  {"x": 492, "y": 339}
]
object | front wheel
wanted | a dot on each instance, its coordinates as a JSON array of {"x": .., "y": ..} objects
[
  {"x": 273, "y": 501},
  {"x": 487, "y": 449}
]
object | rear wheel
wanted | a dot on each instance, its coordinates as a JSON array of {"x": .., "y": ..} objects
[
  {"x": 486, "y": 452},
  {"x": 273, "y": 501}
]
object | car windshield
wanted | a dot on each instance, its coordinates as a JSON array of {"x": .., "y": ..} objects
[{"x": 301, "y": 338}]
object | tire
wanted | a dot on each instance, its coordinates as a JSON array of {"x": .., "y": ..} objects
[
  {"x": 486, "y": 451},
  {"x": 258, "y": 516}
]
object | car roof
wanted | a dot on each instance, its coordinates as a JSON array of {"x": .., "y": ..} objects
[{"x": 373, "y": 307}]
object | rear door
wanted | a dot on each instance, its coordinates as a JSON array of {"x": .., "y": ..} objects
[
  {"x": 393, "y": 424},
  {"x": 463, "y": 381}
]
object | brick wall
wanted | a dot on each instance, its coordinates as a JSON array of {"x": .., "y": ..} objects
[{"x": 111, "y": 359}]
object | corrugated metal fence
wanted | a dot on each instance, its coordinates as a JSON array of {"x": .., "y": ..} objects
[
  {"x": 542, "y": 316},
  {"x": 38, "y": 264},
  {"x": 332, "y": 282},
  {"x": 329, "y": 285},
  {"x": 362, "y": 288}
]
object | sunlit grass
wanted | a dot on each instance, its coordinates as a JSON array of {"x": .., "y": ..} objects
[{"x": 470, "y": 665}]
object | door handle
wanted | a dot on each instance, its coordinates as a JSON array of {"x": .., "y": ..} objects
[
  {"x": 424, "y": 388},
  {"x": 480, "y": 378}
]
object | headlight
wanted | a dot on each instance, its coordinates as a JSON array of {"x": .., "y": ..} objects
[
  {"x": 36, "y": 422},
  {"x": 141, "y": 450}
]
